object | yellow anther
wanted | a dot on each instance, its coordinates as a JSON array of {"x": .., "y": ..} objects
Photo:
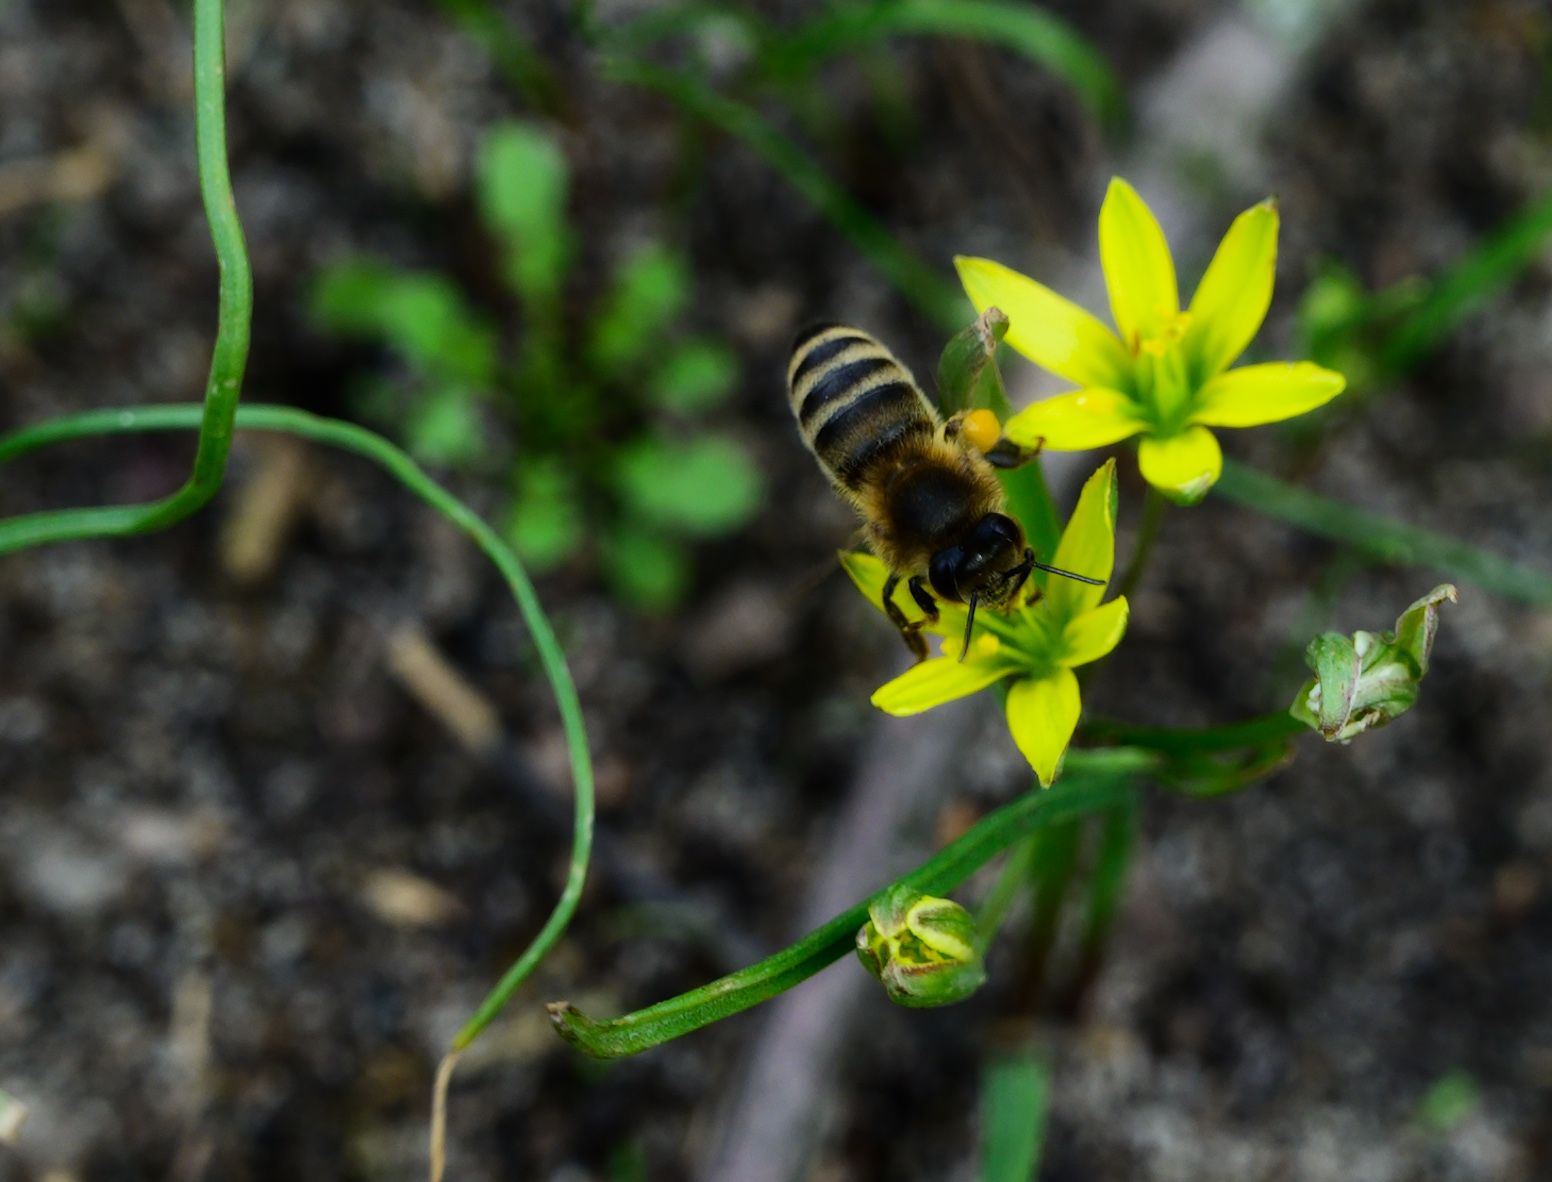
[
  {"x": 1170, "y": 332},
  {"x": 983, "y": 645}
]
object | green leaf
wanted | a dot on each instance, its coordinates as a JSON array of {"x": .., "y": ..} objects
[
  {"x": 1335, "y": 660},
  {"x": 420, "y": 315},
  {"x": 1467, "y": 285},
  {"x": 923, "y": 285},
  {"x": 650, "y": 290},
  {"x": 702, "y": 486},
  {"x": 646, "y": 570},
  {"x": 445, "y": 428},
  {"x": 1417, "y": 626},
  {"x": 1015, "y": 1094},
  {"x": 545, "y": 523},
  {"x": 964, "y": 364},
  {"x": 695, "y": 377},
  {"x": 1381, "y": 538},
  {"x": 521, "y": 183},
  {"x": 1037, "y": 35},
  {"x": 1030, "y": 504}
]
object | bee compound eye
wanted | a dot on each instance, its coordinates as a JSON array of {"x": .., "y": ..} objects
[
  {"x": 943, "y": 573},
  {"x": 997, "y": 530}
]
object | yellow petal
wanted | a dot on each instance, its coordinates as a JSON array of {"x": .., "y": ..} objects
[
  {"x": 934, "y": 682},
  {"x": 1087, "y": 548},
  {"x": 1182, "y": 467},
  {"x": 1138, "y": 269},
  {"x": 1267, "y": 393},
  {"x": 1042, "y": 714},
  {"x": 868, "y": 573},
  {"x": 1093, "y": 634},
  {"x": 1087, "y": 418},
  {"x": 1232, "y": 299},
  {"x": 1051, "y": 331}
]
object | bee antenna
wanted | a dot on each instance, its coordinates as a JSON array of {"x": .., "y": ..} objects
[
  {"x": 969, "y": 624},
  {"x": 1067, "y": 574}
]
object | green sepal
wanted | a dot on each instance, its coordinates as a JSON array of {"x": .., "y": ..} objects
[
  {"x": 924, "y": 950},
  {"x": 967, "y": 370},
  {"x": 1372, "y": 678}
]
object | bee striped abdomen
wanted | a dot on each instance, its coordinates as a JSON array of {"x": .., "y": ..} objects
[{"x": 856, "y": 405}]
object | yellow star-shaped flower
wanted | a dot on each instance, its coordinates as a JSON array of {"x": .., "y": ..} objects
[
  {"x": 1166, "y": 376},
  {"x": 1036, "y": 646}
]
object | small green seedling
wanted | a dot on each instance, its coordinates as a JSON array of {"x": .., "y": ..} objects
[{"x": 603, "y": 450}]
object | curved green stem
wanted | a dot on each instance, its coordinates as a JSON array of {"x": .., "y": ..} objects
[
  {"x": 359, "y": 440},
  {"x": 1039, "y": 36},
  {"x": 1077, "y": 794},
  {"x": 230, "y": 354}
]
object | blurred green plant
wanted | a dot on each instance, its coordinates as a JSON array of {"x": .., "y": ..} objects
[
  {"x": 772, "y": 65},
  {"x": 1015, "y": 1094},
  {"x": 1451, "y": 1100},
  {"x": 611, "y": 454},
  {"x": 1377, "y": 337},
  {"x": 1043, "y": 832}
]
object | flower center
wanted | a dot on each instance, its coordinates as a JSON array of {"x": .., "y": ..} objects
[
  {"x": 1171, "y": 329},
  {"x": 1163, "y": 376}
]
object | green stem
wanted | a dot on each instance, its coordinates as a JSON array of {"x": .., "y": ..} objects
[
  {"x": 523, "y": 66},
  {"x": 1107, "y": 885},
  {"x": 1153, "y": 506},
  {"x": 1256, "y": 732},
  {"x": 229, "y": 356},
  {"x": 1054, "y": 863},
  {"x": 359, "y": 440},
  {"x": 1382, "y": 539},
  {"x": 1076, "y": 795},
  {"x": 1011, "y": 879}
]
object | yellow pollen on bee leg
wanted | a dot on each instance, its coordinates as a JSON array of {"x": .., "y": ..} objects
[{"x": 980, "y": 429}]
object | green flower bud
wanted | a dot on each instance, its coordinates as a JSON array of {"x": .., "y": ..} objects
[
  {"x": 1369, "y": 679},
  {"x": 923, "y": 949},
  {"x": 967, "y": 371}
]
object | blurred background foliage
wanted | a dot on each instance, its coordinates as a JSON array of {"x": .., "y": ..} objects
[{"x": 253, "y": 844}]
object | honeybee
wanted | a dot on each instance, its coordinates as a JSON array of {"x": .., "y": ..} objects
[{"x": 930, "y": 502}]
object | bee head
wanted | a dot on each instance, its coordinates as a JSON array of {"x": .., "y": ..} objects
[{"x": 989, "y": 563}]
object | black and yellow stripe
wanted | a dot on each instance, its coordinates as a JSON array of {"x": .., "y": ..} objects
[{"x": 854, "y": 402}]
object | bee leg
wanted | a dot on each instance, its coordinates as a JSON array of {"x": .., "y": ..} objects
[
  {"x": 924, "y": 599},
  {"x": 1019, "y": 575},
  {"x": 1007, "y": 454},
  {"x": 910, "y": 630}
]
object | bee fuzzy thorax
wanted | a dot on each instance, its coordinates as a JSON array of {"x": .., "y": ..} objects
[{"x": 924, "y": 497}]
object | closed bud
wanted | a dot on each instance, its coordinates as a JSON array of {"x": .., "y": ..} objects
[
  {"x": 922, "y": 948},
  {"x": 1369, "y": 679}
]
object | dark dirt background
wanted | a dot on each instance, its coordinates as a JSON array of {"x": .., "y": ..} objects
[{"x": 249, "y": 886}]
